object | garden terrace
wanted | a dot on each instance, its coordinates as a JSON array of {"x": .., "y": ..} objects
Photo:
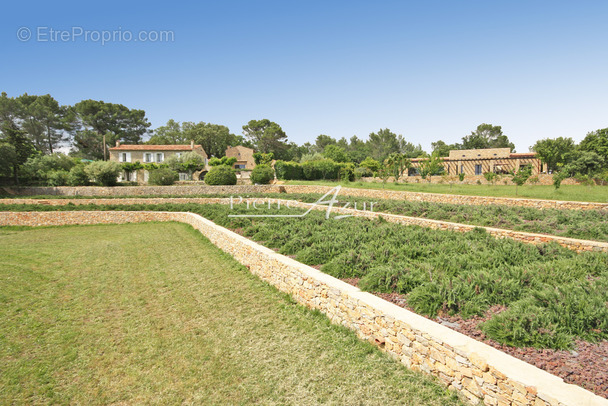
[
  {"x": 578, "y": 224},
  {"x": 99, "y": 315},
  {"x": 441, "y": 272},
  {"x": 418, "y": 342}
]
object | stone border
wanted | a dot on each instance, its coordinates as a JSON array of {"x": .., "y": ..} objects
[
  {"x": 474, "y": 369},
  {"x": 241, "y": 189},
  {"x": 529, "y": 238}
]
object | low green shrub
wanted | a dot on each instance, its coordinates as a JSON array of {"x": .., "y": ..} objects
[
  {"x": 288, "y": 170},
  {"x": 77, "y": 176},
  {"x": 163, "y": 177},
  {"x": 262, "y": 175},
  {"x": 57, "y": 178},
  {"x": 103, "y": 173},
  {"x": 221, "y": 175},
  {"x": 362, "y": 172}
]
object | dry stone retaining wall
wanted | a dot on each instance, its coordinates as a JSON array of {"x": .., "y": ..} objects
[
  {"x": 530, "y": 238},
  {"x": 542, "y": 179},
  {"x": 476, "y": 370},
  {"x": 245, "y": 189}
]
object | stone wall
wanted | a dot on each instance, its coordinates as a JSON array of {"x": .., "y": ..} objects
[
  {"x": 501, "y": 180},
  {"x": 476, "y": 370},
  {"x": 244, "y": 189},
  {"x": 530, "y": 238}
]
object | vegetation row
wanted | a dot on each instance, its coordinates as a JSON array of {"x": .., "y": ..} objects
[{"x": 552, "y": 295}]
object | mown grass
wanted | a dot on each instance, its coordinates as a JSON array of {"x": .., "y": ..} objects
[
  {"x": 155, "y": 314},
  {"x": 553, "y": 294},
  {"x": 578, "y": 193}
]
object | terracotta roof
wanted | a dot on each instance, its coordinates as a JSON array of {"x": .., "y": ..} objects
[
  {"x": 523, "y": 155},
  {"x": 153, "y": 148},
  {"x": 443, "y": 158}
]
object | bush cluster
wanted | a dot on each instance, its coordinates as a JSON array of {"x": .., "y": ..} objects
[
  {"x": 315, "y": 169},
  {"x": 552, "y": 294},
  {"x": 163, "y": 177},
  {"x": 221, "y": 175},
  {"x": 262, "y": 175}
]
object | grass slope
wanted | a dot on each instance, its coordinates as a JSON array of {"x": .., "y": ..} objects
[{"x": 155, "y": 314}]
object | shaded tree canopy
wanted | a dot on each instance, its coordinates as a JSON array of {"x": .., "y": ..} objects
[
  {"x": 323, "y": 141},
  {"x": 47, "y": 124},
  {"x": 440, "y": 148},
  {"x": 554, "y": 152},
  {"x": 487, "y": 136},
  {"x": 214, "y": 138},
  {"x": 171, "y": 133},
  {"x": 336, "y": 153},
  {"x": 267, "y": 136},
  {"x": 596, "y": 141},
  {"x": 22, "y": 147},
  {"x": 383, "y": 143},
  {"x": 100, "y": 123}
]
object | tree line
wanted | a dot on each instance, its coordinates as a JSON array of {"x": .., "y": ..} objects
[{"x": 32, "y": 126}]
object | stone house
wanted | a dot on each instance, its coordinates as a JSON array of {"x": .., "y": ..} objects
[
  {"x": 147, "y": 154},
  {"x": 243, "y": 155},
  {"x": 474, "y": 162}
]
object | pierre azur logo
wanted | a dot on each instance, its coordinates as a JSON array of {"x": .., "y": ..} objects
[{"x": 325, "y": 200}]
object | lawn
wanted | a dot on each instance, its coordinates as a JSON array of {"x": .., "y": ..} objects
[
  {"x": 155, "y": 314},
  {"x": 565, "y": 192},
  {"x": 552, "y": 295}
]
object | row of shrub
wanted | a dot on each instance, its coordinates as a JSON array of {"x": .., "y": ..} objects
[
  {"x": 318, "y": 169},
  {"x": 582, "y": 224},
  {"x": 552, "y": 295}
]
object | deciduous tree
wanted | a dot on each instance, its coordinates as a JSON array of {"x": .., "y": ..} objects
[
  {"x": 336, "y": 153},
  {"x": 596, "y": 141},
  {"x": 554, "y": 152}
]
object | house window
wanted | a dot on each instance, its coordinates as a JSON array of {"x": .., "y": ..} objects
[
  {"x": 124, "y": 157},
  {"x": 178, "y": 154},
  {"x": 477, "y": 169},
  {"x": 147, "y": 157},
  {"x": 130, "y": 176},
  {"x": 159, "y": 157},
  {"x": 184, "y": 176},
  {"x": 461, "y": 168},
  {"x": 239, "y": 166}
]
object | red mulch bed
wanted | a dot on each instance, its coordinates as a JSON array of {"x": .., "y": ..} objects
[{"x": 586, "y": 365}]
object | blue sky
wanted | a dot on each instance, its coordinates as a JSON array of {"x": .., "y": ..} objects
[{"x": 428, "y": 70}]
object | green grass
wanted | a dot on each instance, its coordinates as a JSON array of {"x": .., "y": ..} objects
[
  {"x": 578, "y": 193},
  {"x": 439, "y": 271},
  {"x": 582, "y": 224},
  {"x": 155, "y": 314}
]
